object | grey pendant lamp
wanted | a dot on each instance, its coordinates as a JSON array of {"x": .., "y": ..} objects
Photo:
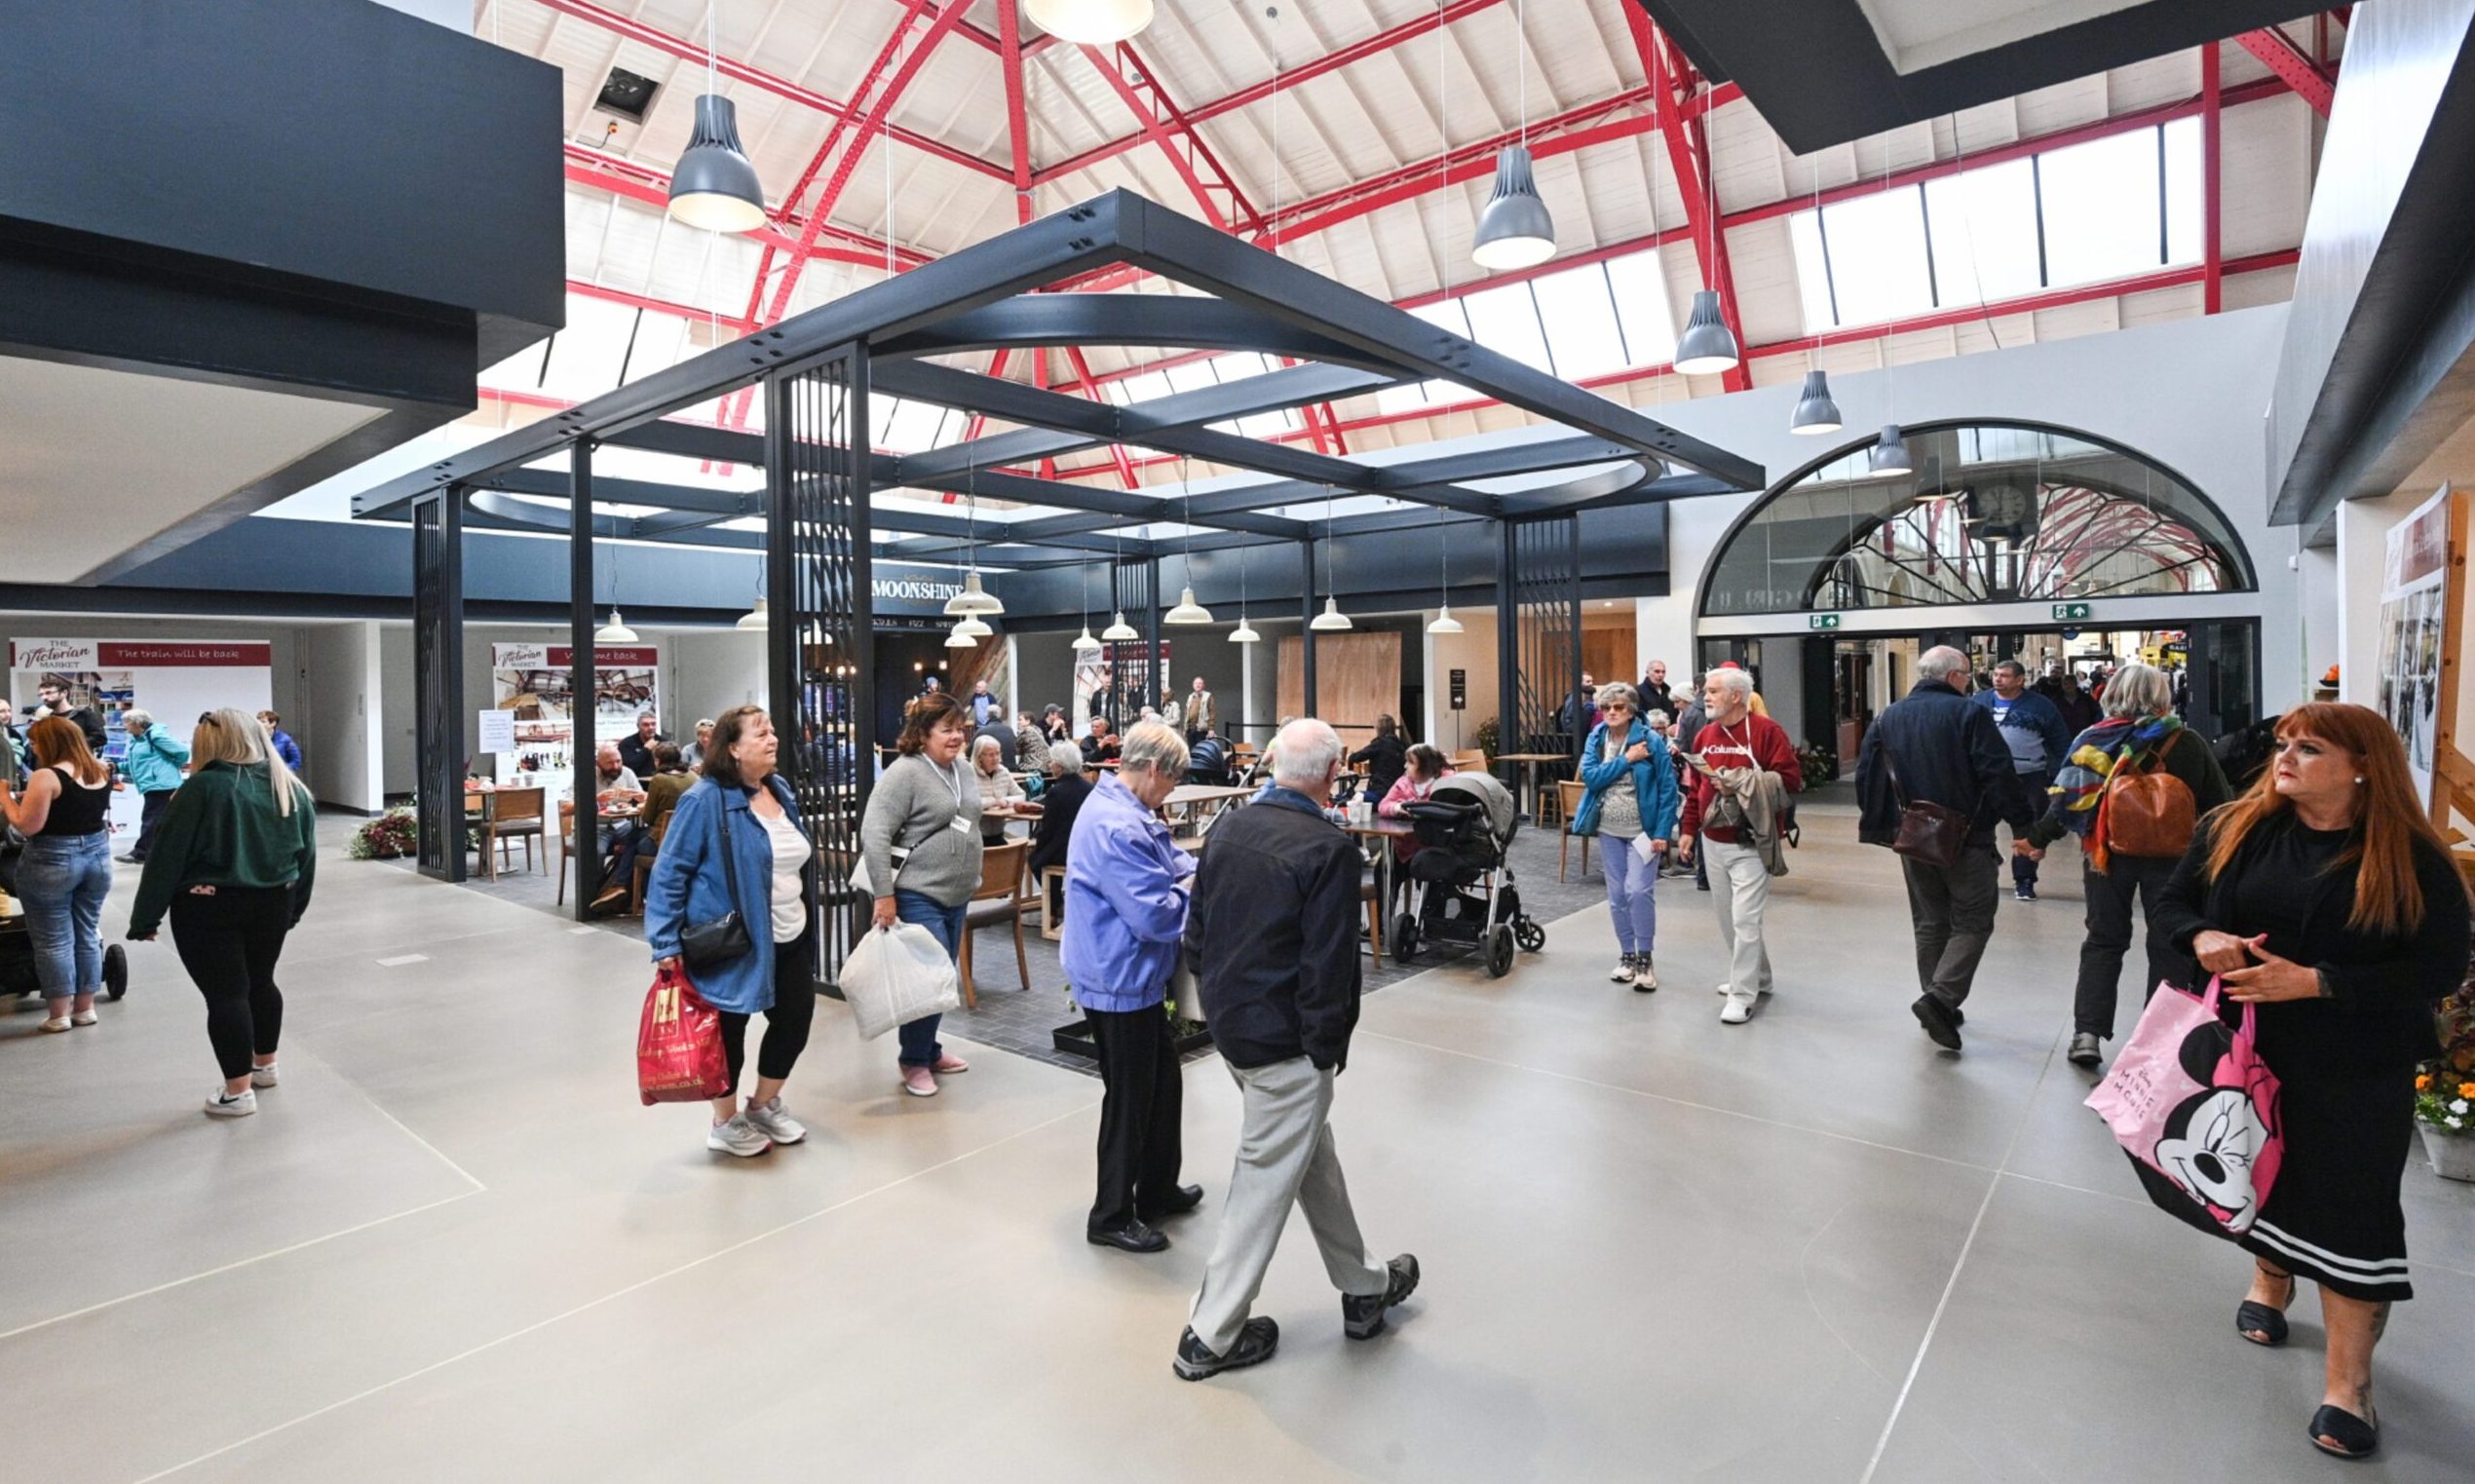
[
  {"x": 715, "y": 186},
  {"x": 1707, "y": 346},
  {"x": 1815, "y": 410},
  {"x": 1889, "y": 459},
  {"x": 1514, "y": 229}
]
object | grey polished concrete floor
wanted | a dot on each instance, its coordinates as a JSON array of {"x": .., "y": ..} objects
[{"x": 453, "y": 1246}]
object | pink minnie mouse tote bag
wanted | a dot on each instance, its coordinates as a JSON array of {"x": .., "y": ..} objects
[{"x": 2192, "y": 1102}]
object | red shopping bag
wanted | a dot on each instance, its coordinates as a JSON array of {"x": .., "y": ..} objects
[{"x": 680, "y": 1044}]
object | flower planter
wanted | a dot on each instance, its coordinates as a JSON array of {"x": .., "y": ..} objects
[
  {"x": 1075, "y": 1039},
  {"x": 2452, "y": 1155}
]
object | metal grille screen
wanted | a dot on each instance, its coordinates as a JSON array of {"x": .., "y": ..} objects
[
  {"x": 1546, "y": 581},
  {"x": 438, "y": 681},
  {"x": 819, "y": 638}
]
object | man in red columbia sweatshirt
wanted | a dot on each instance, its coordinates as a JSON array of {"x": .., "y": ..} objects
[{"x": 1740, "y": 883}]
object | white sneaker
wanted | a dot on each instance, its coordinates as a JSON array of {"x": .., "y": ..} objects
[
  {"x": 771, "y": 1119},
  {"x": 263, "y": 1076},
  {"x": 1623, "y": 972},
  {"x": 223, "y": 1105},
  {"x": 738, "y": 1136},
  {"x": 1644, "y": 975},
  {"x": 1735, "y": 1012},
  {"x": 84, "y": 1017},
  {"x": 55, "y": 1025},
  {"x": 1726, "y": 988}
]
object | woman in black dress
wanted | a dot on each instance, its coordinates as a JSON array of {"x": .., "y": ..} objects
[{"x": 2324, "y": 895}]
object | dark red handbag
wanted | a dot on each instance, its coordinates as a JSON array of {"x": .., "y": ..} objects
[
  {"x": 679, "y": 1056},
  {"x": 1933, "y": 833}
]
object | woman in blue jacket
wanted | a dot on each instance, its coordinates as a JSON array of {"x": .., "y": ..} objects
[
  {"x": 742, "y": 801},
  {"x": 154, "y": 767},
  {"x": 1629, "y": 803}
]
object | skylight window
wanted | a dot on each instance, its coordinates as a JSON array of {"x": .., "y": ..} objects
[
  {"x": 1639, "y": 286},
  {"x": 1580, "y": 317},
  {"x": 1505, "y": 320},
  {"x": 2085, "y": 214}
]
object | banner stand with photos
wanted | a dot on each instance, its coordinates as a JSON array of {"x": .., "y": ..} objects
[
  {"x": 175, "y": 680},
  {"x": 534, "y": 683},
  {"x": 2423, "y": 617}
]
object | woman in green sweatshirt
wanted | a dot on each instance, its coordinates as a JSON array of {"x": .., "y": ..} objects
[{"x": 233, "y": 863}]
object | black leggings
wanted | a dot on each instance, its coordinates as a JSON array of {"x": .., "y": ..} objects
[
  {"x": 785, "y": 1024},
  {"x": 229, "y": 943}
]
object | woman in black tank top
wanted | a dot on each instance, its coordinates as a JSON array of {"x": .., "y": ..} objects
[{"x": 67, "y": 868}]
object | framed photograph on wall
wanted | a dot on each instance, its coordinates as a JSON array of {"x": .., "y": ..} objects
[{"x": 2422, "y": 619}]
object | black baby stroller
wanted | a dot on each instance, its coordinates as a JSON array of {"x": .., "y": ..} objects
[
  {"x": 17, "y": 944},
  {"x": 1460, "y": 888}
]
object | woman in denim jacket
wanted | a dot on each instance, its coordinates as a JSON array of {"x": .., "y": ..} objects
[{"x": 1631, "y": 802}]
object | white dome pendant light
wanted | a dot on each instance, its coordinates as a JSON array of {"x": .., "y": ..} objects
[
  {"x": 1084, "y": 642},
  {"x": 1090, "y": 23},
  {"x": 1445, "y": 623},
  {"x": 715, "y": 187},
  {"x": 1515, "y": 228},
  {"x": 1119, "y": 630},
  {"x": 754, "y": 621}
]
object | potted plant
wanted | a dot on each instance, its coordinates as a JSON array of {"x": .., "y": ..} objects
[
  {"x": 391, "y": 835},
  {"x": 2445, "y": 1091}
]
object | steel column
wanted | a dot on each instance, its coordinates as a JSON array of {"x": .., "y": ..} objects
[
  {"x": 1508, "y": 646},
  {"x": 584, "y": 681},
  {"x": 437, "y": 682}
]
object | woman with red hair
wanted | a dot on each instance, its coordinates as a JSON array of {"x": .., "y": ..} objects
[{"x": 2324, "y": 895}]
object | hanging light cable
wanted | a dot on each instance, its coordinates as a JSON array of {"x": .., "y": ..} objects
[
  {"x": 1084, "y": 642},
  {"x": 1331, "y": 620},
  {"x": 616, "y": 632},
  {"x": 1815, "y": 410},
  {"x": 715, "y": 187},
  {"x": 973, "y": 600},
  {"x": 1119, "y": 630},
  {"x": 1515, "y": 229},
  {"x": 1188, "y": 612},
  {"x": 1445, "y": 623},
  {"x": 1707, "y": 346},
  {"x": 1889, "y": 459},
  {"x": 1244, "y": 633},
  {"x": 754, "y": 621}
]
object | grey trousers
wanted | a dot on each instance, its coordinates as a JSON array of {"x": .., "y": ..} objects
[
  {"x": 1284, "y": 1157},
  {"x": 1953, "y": 911},
  {"x": 1740, "y": 888}
]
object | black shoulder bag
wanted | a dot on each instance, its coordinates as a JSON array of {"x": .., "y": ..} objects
[
  {"x": 1933, "y": 833},
  {"x": 702, "y": 945}
]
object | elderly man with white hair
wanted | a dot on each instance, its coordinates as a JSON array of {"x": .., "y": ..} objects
[
  {"x": 1273, "y": 933},
  {"x": 1126, "y": 913},
  {"x": 1934, "y": 747},
  {"x": 1735, "y": 742}
]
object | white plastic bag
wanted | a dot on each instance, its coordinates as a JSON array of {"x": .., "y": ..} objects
[{"x": 896, "y": 975}]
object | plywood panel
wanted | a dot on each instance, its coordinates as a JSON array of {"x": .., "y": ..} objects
[{"x": 1357, "y": 677}]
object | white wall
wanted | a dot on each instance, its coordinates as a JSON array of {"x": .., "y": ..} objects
[
  {"x": 340, "y": 719},
  {"x": 396, "y": 711},
  {"x": 705, "y": 672},
  {"x": 282, "y": 641},
  {"x": 1472, "y": 650}
]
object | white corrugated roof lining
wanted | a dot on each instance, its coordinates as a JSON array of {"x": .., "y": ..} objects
[{"x": 1377, "y": 116}]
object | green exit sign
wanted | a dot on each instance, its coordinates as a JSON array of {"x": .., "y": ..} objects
[
  {"x": 1821, "y": 619},
  {"x": 2068, "y": 612}
]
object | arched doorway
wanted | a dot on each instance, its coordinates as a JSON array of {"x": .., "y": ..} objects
[{"x": 2051, "y": 545}]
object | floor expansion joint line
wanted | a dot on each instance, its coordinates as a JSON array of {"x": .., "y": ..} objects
[
  {"x": 1916, "y": 1366},
  {"x": 1683, "y": 1102},
  {"x": 240, "y": 1262},
  {"x": 620, "y": 1293}
]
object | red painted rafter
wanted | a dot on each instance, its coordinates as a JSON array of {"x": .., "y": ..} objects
[
  {"x": 756, "y": 77},
  {"x": 1092, "y": 389},
  {"x": 2278, "y": 53},
  {"x": 2212, "y": 209},
  {"x": 1330, "y": 61},
  {"x": 1224, "y": 204}
]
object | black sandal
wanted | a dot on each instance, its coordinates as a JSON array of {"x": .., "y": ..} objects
[
  {"x": 2353, "y": 1437},
  {"x": 2251, "y": 1316}
]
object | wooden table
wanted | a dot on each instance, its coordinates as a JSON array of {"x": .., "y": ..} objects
[
  {"x": 1196, "y": 800},
  {"x": 1528, "y": 762},
  {"x": 1380, "y": 834}
]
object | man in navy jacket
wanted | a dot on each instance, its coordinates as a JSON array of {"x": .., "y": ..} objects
[
  {"x": 1274, "y": 935},
  {"x": 2033, "y": 729},
  {"x": 1935, "y": 746}
]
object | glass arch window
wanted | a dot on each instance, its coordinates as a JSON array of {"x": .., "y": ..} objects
[{"x": 1996, "y": 512}]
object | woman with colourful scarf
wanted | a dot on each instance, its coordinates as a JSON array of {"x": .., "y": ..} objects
[{"x": 2140, "y": 731}]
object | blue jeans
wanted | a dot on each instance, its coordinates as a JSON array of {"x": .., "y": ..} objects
[
  {"x": 920, "y": 1046},
  {"x": 1632, "y": 892},
  {"x": 63, "y": 880}
]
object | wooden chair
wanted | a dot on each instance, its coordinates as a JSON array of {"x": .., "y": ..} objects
[
  {"x": 1001, "y": 898},
  {"x": 1551, "y": 806},
  {"x": 1370, "y": 890},
  {"x": 1474, "y": 760},
  {"x": 516, "y": 813},
  {"x": 1569, "y": 799},
  {"x": 1053, "y": 907}
]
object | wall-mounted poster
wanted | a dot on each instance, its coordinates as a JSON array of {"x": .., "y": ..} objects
[
  {"x": 2422, "y": 603},
  {"x": 536, "y": 682},
  {"x": 175, "y": 679}
]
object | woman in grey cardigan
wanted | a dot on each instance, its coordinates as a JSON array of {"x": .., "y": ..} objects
[{"x": 921, "y": 841}]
